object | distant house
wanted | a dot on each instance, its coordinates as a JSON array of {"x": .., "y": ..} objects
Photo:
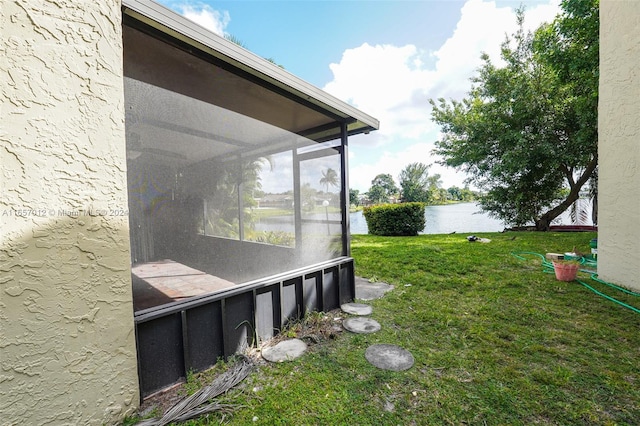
[{"x": 280, "y": 201}]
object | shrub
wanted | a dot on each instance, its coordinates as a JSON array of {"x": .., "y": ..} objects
[
  {"x": 278, "y": 238},
  {"x": 405, "y": 219}
]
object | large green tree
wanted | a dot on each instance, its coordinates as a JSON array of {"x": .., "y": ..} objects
[
  {"x": 571, "y": 46},
  {"x": 354, "y": 197},
  {"x": 416, "y": 185},
  {"x": 382, "y": 189},
  {"x": 527, "y": 132}
]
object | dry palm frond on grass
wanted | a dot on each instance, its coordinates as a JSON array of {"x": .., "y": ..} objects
[{"x": 202, "y": 401}]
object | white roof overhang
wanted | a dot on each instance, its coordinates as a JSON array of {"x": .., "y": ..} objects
[{"x": 284, "y": 100}]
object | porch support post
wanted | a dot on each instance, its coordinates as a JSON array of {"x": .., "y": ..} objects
[
  {"x": 344, "y": 198},
  {"x": 297, "y": 200},
  {"x": 240, "y": 200}
]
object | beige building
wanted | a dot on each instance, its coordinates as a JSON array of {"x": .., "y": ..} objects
[
  {"x": 619, "y": 143},
  {"x": 67, "y": 344},
  {"x": 74, "y": 348}
]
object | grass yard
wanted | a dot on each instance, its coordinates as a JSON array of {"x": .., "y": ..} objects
[{"x": 496, "y": 342}]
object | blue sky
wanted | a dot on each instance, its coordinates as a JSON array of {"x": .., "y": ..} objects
[{"x": 388, "y": 58}]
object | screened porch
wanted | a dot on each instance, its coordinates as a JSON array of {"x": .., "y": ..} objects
[{"x": 237, "y": 182}]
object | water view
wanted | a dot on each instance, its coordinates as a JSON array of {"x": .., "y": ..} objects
[{"x": 461, "y": 217}]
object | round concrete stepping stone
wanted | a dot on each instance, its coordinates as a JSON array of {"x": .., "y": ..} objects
[
  {"x": 356, "y": 308},
  {"x": 389, "y": 357},
  {"x": 286, "y": 350},
  {"x": 361, "y": 325},
  {"x": 366, "y": 290}
]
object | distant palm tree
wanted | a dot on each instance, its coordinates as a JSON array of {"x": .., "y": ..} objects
[
  {"x": 329, "y": 177},
  {"x": 235, "y": 40},
  {"x": 240, "y": 43}
]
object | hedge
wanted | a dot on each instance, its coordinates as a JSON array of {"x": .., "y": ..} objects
[{"x": 405, "y": 219}]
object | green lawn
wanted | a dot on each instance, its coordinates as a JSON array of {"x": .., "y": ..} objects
[{"x": 496, "y": 342}]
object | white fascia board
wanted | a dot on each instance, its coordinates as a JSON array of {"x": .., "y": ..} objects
[{"x": 188, "y": 31}]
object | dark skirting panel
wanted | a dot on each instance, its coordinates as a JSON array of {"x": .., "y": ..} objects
[
  {"x": 193, "y": 335},
  {"x": 160, "y": 352},
  {"x": 291, "y": 300},
  {"x": 238, "y": 323},
  {"x": 330, "y": 288},
  {"x": 204, "y": 341},
  {"x": 347, "y": 283}
]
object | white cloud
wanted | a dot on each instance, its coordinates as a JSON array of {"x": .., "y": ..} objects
[
  {"x": 393, "y": 84},
  {"x": 384, "y": 81},
  {"x": 204, "y": 15},
  {"x": 482, "y": 28}
]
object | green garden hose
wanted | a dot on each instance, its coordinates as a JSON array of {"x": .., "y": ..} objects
[{"x": 548, "y": 268}]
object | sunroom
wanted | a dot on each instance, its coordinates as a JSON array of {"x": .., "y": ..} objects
[{"x": 238, "y": 194}]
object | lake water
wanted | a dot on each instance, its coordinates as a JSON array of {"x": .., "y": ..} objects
[{"x": 460, "y": 217}]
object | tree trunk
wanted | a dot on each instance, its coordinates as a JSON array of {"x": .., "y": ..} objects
[{"x": 544, "y": 222}]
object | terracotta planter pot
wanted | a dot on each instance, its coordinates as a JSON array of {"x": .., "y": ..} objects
[{"x": 566, "y": 271}]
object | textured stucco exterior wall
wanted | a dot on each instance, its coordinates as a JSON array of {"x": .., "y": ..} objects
[
  {"x": 67, "y": 346},
  {"x": 619, "y": 143}
]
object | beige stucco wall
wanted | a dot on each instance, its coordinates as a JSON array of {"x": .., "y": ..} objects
[
  {"x": 67, "y": 346},
  {"x": 619, "y": 143}
]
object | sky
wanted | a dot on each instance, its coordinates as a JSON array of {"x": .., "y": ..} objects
[{"x": 385, "y": 57}]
